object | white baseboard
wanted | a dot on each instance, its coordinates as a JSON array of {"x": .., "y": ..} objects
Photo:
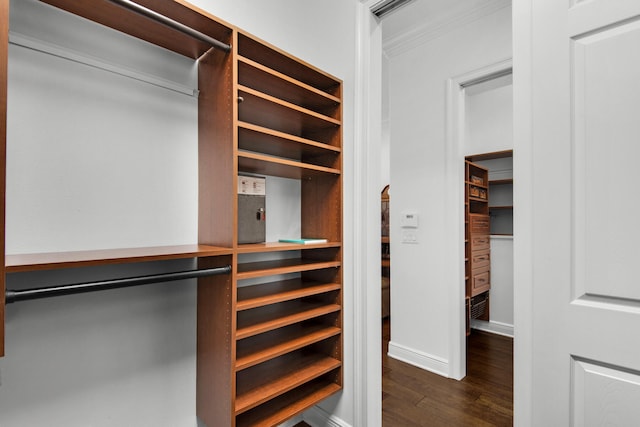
[
  {"x": 417, "y": 358},
  {"x": 493, "y": 327},
  {"x": 320, "y": 418}
]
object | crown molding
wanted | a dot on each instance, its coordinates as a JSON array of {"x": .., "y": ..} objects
[{"x": 422, "y": 34}]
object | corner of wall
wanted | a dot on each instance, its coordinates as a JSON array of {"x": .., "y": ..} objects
[{"x": 420, "y": 359}]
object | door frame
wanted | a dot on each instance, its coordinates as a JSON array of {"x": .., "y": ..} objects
[
  {"x": 454, "y": 166},
  {"x": 522, "y": 216}
]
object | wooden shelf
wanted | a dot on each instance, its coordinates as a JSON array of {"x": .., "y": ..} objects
[
  {"x": 478, "y": 199},
  {"x": 274, "y": 83},
  {"x": 118, "y": 18},
  {"x": 270, "y": 380},
  {"x": 471, "y": 184},
  {"x": 490, "y": 156},
  {"x": 310, "y": 117},
  {"x": 281, "y": 266},
  {"x": 268, "y": 141},
  {"x": 56, "y": 260},
  {"x": 505, "y": 181},
  {"x": 266, "y": 319},
  {"x": 274, "y": 292},
  {"x": 289, "y": 404},
  {"x": 275, "y": 59},
  {"x": 252, "y": 351},
  {"x": 279, "y": 246},
  {"x": 266, "y": 111},
  {"x": 275, "y": 166}
]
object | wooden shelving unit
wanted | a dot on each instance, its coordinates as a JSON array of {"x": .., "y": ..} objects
[
  {"x": 268, "y": 347},
  {"x": 500, "y": 165},
  {"x": 288, "y": 339},
  {"x": 477, "y": 242},
  {"x": 386, "y": 255},
  {"x": 212, "y": 252}
]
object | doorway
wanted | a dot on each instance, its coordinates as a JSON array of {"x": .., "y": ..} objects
[{"x": 476, "y": 125}]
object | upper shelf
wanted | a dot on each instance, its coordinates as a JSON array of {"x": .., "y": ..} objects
[
  {"x": 474, "y": 184},
  {"x": 501, "y": 181},
  {"x": 274, "y": 166},
  {"x": 280, "y": 246},
  {"x": 263, "y": 140},
  {"x": 111, "y": 15},
  {"x": 279, "y": 61},
  {"x": 489, "y": 156},
  {"x": 281, "y": 86},
  {"x": 56, "y": 260},
  {"x": 267, "y": 111}
]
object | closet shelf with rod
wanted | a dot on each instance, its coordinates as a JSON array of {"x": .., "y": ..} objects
[{"x": 77, "y": 288}]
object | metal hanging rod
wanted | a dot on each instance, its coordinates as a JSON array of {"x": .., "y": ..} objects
[
  {"x": 46, "y": 292},
  {"x": 171, "y": 23}
]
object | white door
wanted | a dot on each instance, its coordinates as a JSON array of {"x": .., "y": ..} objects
[{"x": 577, "y": 154}]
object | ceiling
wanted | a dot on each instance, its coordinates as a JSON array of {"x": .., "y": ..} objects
[{"x": 420, "y": 15}]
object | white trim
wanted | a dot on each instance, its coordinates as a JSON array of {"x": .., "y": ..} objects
[
  {"x": 493, "y": 327},
  {"x": 63, "y": 52},
  {"x": 500, "y": 237},
  {"x": 454, "y": 257},
  {"x": 364, "y": 368},
  {"x": 522, "y": 217},
  {"x": 418, "y": 358},
  {"x": 422, "y": 34},
  {"x": 319, "y": 417}
]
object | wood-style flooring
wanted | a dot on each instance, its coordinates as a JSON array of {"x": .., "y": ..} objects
[{"x": 412, "y": 397}]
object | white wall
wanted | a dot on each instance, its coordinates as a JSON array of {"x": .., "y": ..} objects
[
  {"x": 489, "y": 116},
  {"x": 124, "y": 173},
  {"x": 489, "y": 128},
  {"x": 501, "y": 306},
  {"x": 385, "y": 154},
  {"x": 417, "y": 88}
]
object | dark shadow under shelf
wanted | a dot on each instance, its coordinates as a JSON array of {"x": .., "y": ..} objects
[
  {"x": 252, "y": 351},
  {"x": 282, "y": 408},
  {"x": 274, "y": 292},
  {"x": 258, "y": 321}
]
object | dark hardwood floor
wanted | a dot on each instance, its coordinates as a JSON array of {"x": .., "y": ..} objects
[{"x": 413, "y": 397}]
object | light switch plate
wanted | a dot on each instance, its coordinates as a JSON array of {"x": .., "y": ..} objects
[{"x": 409, "y": 236}]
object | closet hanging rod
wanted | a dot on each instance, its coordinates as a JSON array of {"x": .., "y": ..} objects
[
  {"x": 171, "y": 23},
  {"x": 46, "y": 292}
]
